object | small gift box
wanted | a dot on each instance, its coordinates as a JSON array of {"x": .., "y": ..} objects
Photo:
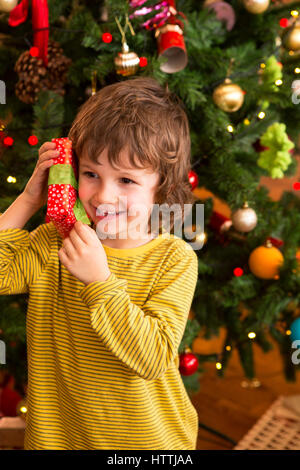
[{"x": 64, "y": 207}]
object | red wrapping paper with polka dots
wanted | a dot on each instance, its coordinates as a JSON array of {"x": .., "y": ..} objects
[{"x": 63, "y": 206}]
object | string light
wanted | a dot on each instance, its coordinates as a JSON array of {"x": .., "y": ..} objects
[
  {"x": 238, "y": 272},
  {"x": 251, "y": 335},
  {"x": 106, "y": 37},
  {"x": 261, "y": 115},
  {"x": 288, "y": 332},
  {"x": 262, "y": 65},
  {"x": 297, "y": 70},
  {"x": 23, "y": 409},
  {"x": 8, "y": 141},
  {"x": 34, "y": 51},
  {"x": 33, "y": 140},
  {"x": 218, "y": 365},
  {"x": 278, "y": 82},
  {"x": 230, "y": 128},
  {"x": 284, "y": 22},
  {"x": 11, "y": 179},
  {"x": 228, "y": 348},
  {"x": 294, "y": 13},
  {"x": 202, "y": 237},
  {"x": 246, "y": 122},
  {"x": 143, "y": 61}
]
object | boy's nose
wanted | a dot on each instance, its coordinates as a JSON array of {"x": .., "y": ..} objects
[{"x": 105, "y": 195}]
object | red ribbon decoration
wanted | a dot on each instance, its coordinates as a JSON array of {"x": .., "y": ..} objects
[
  {"x": 40, "y": 19},
  {"x": 19, "y": 14}
]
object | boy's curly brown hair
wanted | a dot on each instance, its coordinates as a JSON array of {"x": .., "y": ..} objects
[{"x": 150, "y": 122}]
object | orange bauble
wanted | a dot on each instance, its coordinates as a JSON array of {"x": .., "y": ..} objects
[{"x": 265, "y": 261}]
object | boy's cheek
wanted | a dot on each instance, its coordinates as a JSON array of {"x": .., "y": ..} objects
[{"x": 83, "y": 192}]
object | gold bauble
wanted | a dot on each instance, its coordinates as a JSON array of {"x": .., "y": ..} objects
[
  {"x": 256, "y": 6},
  {"x": 291, "y": 38},
  {"x": 126, "y": 63},
  {"x": 228, "y": 96},
  {"x": 264, "y": 262},
  {"x": 7, "y": 5},
  {"x": 196, "y": 236},
  {"x": 244, "y": 219}
]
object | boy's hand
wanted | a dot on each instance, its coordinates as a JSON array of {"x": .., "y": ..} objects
[
  {"x": 36, "y": 190},
  {"x": 83, "y": 255}
]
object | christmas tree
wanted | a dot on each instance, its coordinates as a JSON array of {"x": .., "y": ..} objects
[{"x": 234, "y": 65}]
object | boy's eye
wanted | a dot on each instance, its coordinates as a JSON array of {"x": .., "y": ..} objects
[
  {"x": 88, "y": 173},
  {"x": 125, "y": 180}
]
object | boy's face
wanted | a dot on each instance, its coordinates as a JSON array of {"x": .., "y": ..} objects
[{"x": 129, "y": 191}]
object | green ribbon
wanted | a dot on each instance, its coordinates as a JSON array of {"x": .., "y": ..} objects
[
  {"x": 80, "y": 212},
  {"x": 63, "y": 173}
]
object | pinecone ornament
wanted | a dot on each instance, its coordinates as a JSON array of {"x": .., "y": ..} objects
[
  {"x": 31, "y": 73},
  {"x": 58, "y": 66},
  {"x": 34, "y": 76}
]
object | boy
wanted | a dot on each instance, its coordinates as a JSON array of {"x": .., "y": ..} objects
[{"x": 105, "y": 318}]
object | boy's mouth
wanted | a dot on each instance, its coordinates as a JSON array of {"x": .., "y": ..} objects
[{"x": 108, "y": 215}]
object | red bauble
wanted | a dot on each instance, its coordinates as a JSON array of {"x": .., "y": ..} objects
[
  {"x": 188, "y": 363},
  {"x": 106, "y": 37},
  {"x": 193, "y": 179}
]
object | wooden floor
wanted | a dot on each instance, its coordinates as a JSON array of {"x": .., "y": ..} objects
[{"x": 222, "y": 403}]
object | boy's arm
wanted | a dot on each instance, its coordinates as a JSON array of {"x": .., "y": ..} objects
[
  {"x": 22, "y": 254},
  {"x": 18, "y": 213},
  {"x": 145, "y": 339}
]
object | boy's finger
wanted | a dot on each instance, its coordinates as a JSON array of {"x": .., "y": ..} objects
[
  {"x": 49, "y": 154},
  {"x": 47, "y": 146}
]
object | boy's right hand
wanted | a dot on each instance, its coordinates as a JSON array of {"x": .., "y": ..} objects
[{"x": 36, "y": 190}]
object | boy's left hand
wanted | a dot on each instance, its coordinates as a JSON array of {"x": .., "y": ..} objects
[{"x": 83, "y": 255}]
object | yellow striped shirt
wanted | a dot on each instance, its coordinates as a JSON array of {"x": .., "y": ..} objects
[{"x": 103, "y": 358}]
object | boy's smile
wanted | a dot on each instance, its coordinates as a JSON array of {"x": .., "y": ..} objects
[{"x": 117, "y": 199}]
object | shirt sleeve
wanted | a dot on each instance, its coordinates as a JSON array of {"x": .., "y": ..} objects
[
  {"x": 23, "y": 256},
  {"x": 145, "y": 339}
]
